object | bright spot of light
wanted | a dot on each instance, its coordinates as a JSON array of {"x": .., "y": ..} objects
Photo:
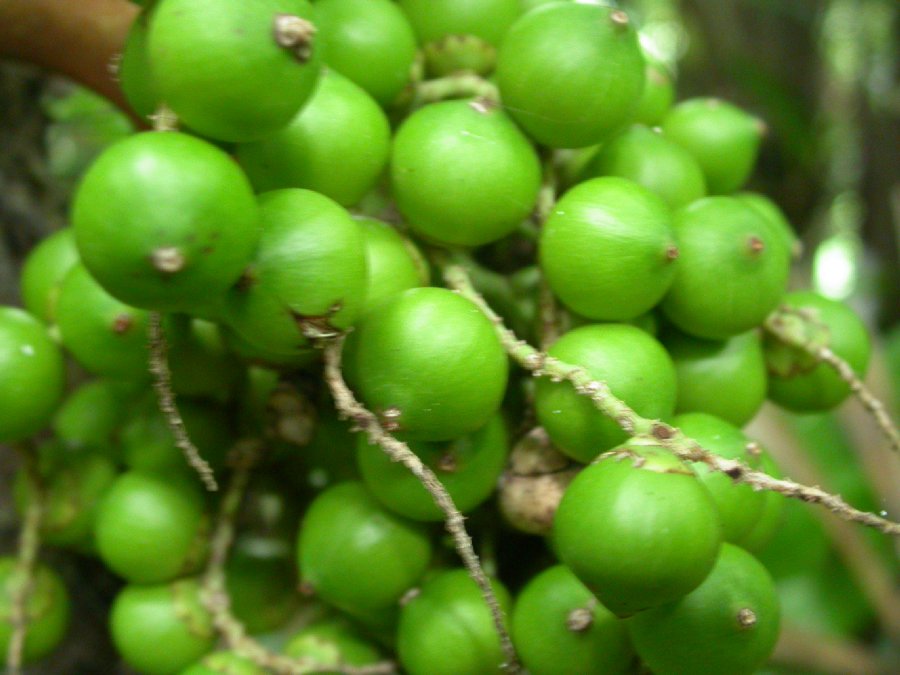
[{"x": 835, "y": 267}]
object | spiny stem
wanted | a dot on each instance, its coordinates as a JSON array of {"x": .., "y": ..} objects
[
  {"x": 366, "y": 421},
  {"x": 23, "y": 574},
  {"x": 162, "y": 383},
  {"x": 788, "y": 325},
  {"x": 214, "y": 591},
  {"x": 687, "y": 449},
  {"x": 462, "y": 85}
]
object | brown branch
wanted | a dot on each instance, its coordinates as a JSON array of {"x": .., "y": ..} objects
[
  {"x": 214, "y": 592},
  {"x": 815, "y": 652},
  {"x": 542, "y": 365},
  {"x": 366, "y": 421},
  {"x": 788, "y": 325},
  {"x": 162, "y": 383},
  {"x": 26, "y": 561},
  {"x": 77, "y": 39}
]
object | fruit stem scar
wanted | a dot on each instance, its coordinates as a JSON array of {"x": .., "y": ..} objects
[
  {"x": 294, "y": 33},
  {"x": 167, "y": 259},
  {"x": 746, "y": 618}
]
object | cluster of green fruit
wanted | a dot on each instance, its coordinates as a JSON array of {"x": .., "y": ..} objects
[{"x": 238, "y": 230}]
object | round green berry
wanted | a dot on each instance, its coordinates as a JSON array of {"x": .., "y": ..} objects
[
  {"x": 47, "y": 610},
  {"x": 46, "y": 265}
]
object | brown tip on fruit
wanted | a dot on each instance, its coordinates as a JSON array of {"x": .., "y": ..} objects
[
  {"x": 409, "y": 596},
  {"x": 447, "y": 463},
  {"x": 482, "y": 105},
  {"x": 294, "y": 33},
  {"x": 390, "y": 419},
  {"x": 753, "y": 449},
  {"x": 619, "y": 18},
  {"x": 762, "y": 129},
  {"x": 579, "y": 620},
  {"x": 306, "y": 589},
  {"x": 122, "y": 324},
  {"x": 756, "y": 245},
  {"x": 672, "y": 252},
  {"x": 167, "y": 259},
  {"x": 746, "y": 618}
]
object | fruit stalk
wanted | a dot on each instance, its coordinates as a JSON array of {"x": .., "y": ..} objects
[
  {"x": 29, "y": 544},
  {"x": 366, "y": 421},
  {"x": 542, "y": 365}
]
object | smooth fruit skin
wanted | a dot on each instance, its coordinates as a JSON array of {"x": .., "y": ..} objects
[
  {"x": 772, "y": 515},
  {"x": 221, "y": 70},
  {"x": 727, "y": 626},
  {"x": 47, "y": 610},
  {"x": 337, "y": 145},
  {"x": 546, "y": 643},
  {"x": 148, "y": 526},
  {"x": 104, "y": 335},
  {"x": 310, "y": 265},
  {"x": 722, "y": 138},
  {"x": 356, "y": 555},
  {"x": 726, "y": 378},
  {"x": 571, "y": 73},
  {"x": 740, "y": 507},
  {"x": 796, "y": 380},
  {"x": 393, "y": 263},
  {"x": 634, "y": 365},
  {"x": 135, "y": 78},
  {"x": 32, "y": 375},
  {"x": 165, "y": 221},
  {"x": 723, "y": 239},
  {"x": 776, "y": 216},
  {"x": 650, "y": 159},
  {"x": 608, "y": 249},
  {"x": 468, "y": 467},
  {"x": 447, "y": 629},
  {"x": 45, "y": 266},
  {"x": 658, "y": 95},
  {"x": 369, "y": 42},
  {"x": 429, "y": 363},
  {"x": 620, "y": 532},
  {"x": 261, "y": 581},
  {"x": 90, "y": 416},
  {"x": 161, "y": 629},
  {"x": 462, "y": 173}
]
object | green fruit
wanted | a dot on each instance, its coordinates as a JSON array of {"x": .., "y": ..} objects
[
  {"x": 165, "y": 221},
  {"x": 45, "y": 266},
  {"x": 90, "y": 417},
  {"x": 722, "y": 138},
  {"x": 135, "y": 78},
  {"x": 47, "y": 610},
  {"x": 337, "y": 145},
  {"x": 799, "y": 382},
  {"x": 770, "y": 520},
  {"x": 221, "y": 67},
  {"x": 104, "y": 335},
  {"x": 776, "y": 216},
  {"x": 726, "y": 378},
  {"x": 32, "y": 375},
  {"x": 161, "y": 629},
  {"x": 634, "y": 365},
  {"x": 722, "y": 238},
  {"x": 728, "y": 625},
  {"x": 462, "y": 173},
  {"x": 261, "y": 582},
  {"x": 357, "y": 556},
  {"x": 571, "y": 73},
  {"x": 650, "y": 159},
  {"x": 462, "y": 35},
  {"x": 658, "y": 95},
  {"x": 369, "y": 42},
  {"x": 224, "y": 663},
  {"x": 332, "y": 642},
  {"x": 608, "y": 250},
  {"x": 148, "y": 443},
  {"x": 393, "y": 263},
  {"x": 199, "y": 359},
  {"x": 550, "y": 642},
  {"x": 740, "y": 507},
  {"x": 73, "y": 489},
  {"x": 468, "y": 467},
  {"x": 428, "y": 363},
  {"x": 309, "y": 267},
  {"x": 151, "y": 528},
  {"x": 446, "y": 629},
  {"x": 617, "y": 529}
]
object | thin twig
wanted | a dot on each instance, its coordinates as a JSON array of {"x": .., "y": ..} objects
[
  {"x": 366, "y": 421},
  {"x": 789, "y": 326},
  {"x": 549, "y": 186},
  {"x": 458, "y": 86},
  {"x": 542, "y": 365},
  {"x": 23, "y": 574},
  {"x": 548, "y": 310},
  {"x": 162, "y": 383},
  {"x": 817, "y": 652},
  {"x": 214, "y": 591}
]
